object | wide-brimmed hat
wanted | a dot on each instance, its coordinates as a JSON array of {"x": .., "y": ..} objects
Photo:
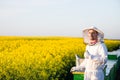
[
  {"x": 94, "y": 28},
  {"x": 85, "y": 32}
]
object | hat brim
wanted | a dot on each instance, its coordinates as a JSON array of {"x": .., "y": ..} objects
[{"x": 94, "y": 28}]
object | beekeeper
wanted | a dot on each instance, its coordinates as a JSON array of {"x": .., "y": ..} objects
[{"x": 95, "y": 54}]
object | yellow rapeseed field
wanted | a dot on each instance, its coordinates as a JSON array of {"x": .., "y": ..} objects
[{"x": 41, "y": 58}]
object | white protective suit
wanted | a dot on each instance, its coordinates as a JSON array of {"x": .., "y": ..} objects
[{"x": 95, "y": 57}]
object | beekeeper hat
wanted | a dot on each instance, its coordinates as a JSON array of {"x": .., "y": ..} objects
[{"x": 85, "y": 32}]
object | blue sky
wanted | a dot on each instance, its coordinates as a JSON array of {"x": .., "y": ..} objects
[{"x": 59, "y": 17}]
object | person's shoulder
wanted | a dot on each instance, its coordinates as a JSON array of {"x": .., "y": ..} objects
[{"x": 102, "y": 45}]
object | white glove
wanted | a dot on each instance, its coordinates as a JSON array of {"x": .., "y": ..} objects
[
  {"x": 80, "y": 68},
  {"x": 73, "y": 69}
]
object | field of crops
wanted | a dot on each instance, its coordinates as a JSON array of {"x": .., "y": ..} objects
[{"x": 41, "y": 58}]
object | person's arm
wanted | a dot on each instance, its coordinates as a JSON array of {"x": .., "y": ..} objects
[{"x": 102, "y": 57}]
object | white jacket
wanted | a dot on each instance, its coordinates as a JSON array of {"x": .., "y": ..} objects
[{"x": 95, "y": 59}]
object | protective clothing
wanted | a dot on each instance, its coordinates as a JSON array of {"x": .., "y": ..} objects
[
  {"x": 77, "y": 60},
  {"x": 95, "y": 57}
]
